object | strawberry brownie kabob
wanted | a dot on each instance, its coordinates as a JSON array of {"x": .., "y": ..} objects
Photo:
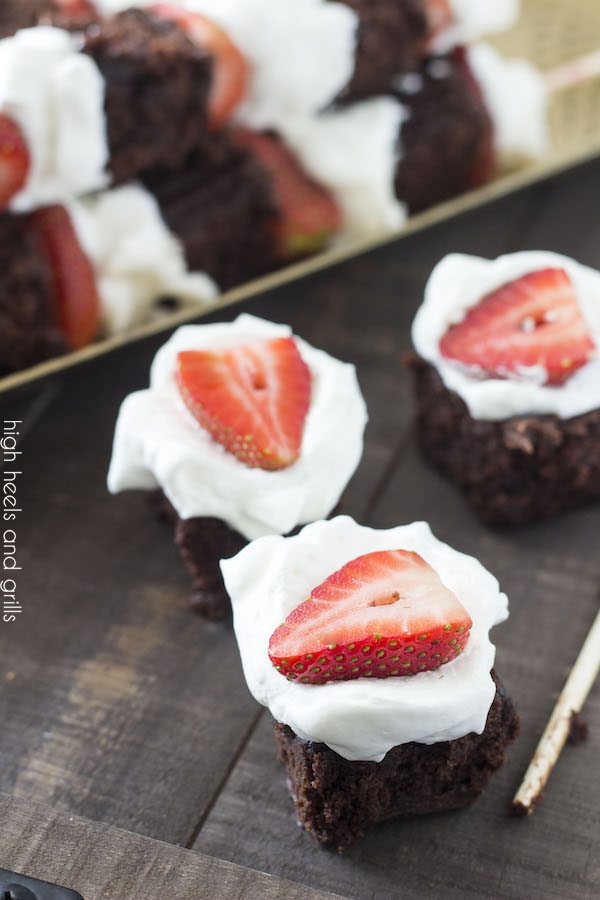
[
  {"x": 189, "y": 152},
  {"x": 371, "y": 649},
  {"x": 245, "y": 430},
  {"x": 507, "y": 381}
]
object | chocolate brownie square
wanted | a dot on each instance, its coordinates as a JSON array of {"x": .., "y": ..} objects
[
  {"x": 220, "y": 205},
  {"x": 157, "y": 86},
  {"x": 391, "y": 40},
  {"x": 512, "y": 472},
  {"x": 446, "y": 144},
  {"x": 336, "y": 800}
]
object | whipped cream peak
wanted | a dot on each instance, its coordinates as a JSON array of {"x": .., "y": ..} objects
[
  {"x": 362, "y": 718},
  {"x": 158, "y": 443},
  {"x": 56, "y": 96},
  {"x": 457, "y": 284}
]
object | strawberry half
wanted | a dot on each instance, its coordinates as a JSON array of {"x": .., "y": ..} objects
[
  {"x": 252, "y": 399},
  {"x": 532, "y": 321},
  {"x": 75, "y": 293},
  {"x": 383, "y": 614},
  {"x": 309, "y": 216},
  {"x": 231, "y": 70},
  {"x": 14, "y": 160}
]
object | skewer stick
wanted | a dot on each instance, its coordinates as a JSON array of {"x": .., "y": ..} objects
[
  {"x": 574, "y": 72},
  {"x": 577, "y": 687}
]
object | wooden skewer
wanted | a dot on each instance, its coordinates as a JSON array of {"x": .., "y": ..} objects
[
  {"x": 577, "y": 687},
  {"x": 574, "y": 72}
]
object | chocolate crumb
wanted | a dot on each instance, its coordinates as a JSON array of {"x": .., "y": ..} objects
[{"x": 578, "y": 729}]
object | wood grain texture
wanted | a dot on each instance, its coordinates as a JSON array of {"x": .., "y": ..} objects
[
  {"x": 106, "y": 863},
  {"x": 119, "y": 705},
  {"x": 552, "y": 576}
]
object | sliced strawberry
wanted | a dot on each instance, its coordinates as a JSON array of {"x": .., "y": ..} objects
[
  {"x": 232, "y": 70},
  {"x": 309, "y": 215},
  {"x": 14, "y": 160},
  {"x": 76, "y": 296},
  {"x": 383, "y": 614},
  {"x": 252, "y": 399},
  {"x": 533, "y": 321}
]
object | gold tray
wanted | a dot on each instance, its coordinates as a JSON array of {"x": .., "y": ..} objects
[{"x": 549, "y": 33}]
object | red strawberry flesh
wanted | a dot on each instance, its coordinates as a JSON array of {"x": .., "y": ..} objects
[
  {"x": 76, "y": 297},
  {"x": 252, "y": 399},
  {"x": 534, "y": 321},
  {"x": 382, "y": 615},
  {"x": 14, "y": 160}
]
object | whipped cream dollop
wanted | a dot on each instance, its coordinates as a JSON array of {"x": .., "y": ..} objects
[
  {"x": 474, "y": 19},
  {"x": 56, "y": 96},
  {"x": 459, "y": 282},
  {"x": 354, "y": 152},
  {"x": 364, "y": 718},
  {"x": 301, "y": 53},
  {"x": 136, "y": 259},
  {"x": 516, "y": 97},
  {"x": 158, "y": 442}
]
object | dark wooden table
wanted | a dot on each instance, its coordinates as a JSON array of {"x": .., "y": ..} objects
[{"x": 120, "y": 707}]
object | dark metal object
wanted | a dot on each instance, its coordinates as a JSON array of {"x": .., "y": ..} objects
[{"x": 21, "y": 887}]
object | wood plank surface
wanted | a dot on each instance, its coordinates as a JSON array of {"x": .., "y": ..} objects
[
  {"x": 105, "y": 863},
  {"x": 119, "y": 705}
]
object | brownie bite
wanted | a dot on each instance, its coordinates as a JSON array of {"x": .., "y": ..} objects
[
  {"x": 391, "y": 40},
  {"x": 514, "y": 471},
  {"x": 220, "y": 205},
  {"x": 337, "y": 800},
  {"x": 446, "y": 144},
  {"x": 157, "y": 86},
  {"x": 17, "y": 14},
  {"x": 202, "y": 542},
  {"x": 371, "y": 650},
  {"x": 28, "y": 333},
  {"x": 507, "y": 382}
]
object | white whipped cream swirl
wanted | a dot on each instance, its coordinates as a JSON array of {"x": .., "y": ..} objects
[
  {"x": 158, "y": 442},
  {"x": 364, "y": 718},
  {"x": 459, "y": 282},
  {"x": 56, "y": 96}
]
